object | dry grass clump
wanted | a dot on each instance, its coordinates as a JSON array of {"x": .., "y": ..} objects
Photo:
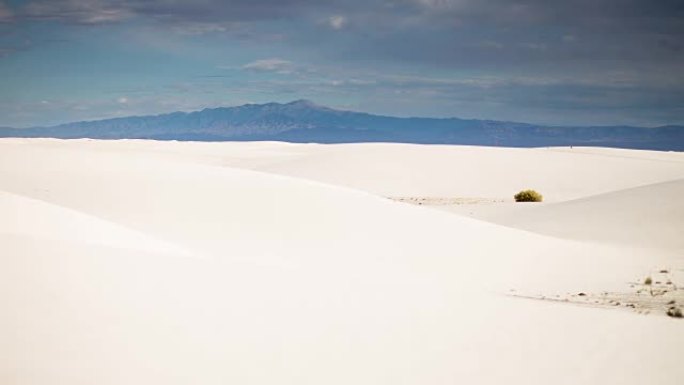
[{"x": 528, "y": 196}]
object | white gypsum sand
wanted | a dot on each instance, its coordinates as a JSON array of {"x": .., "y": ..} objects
[{"x": 143, "y": 262}]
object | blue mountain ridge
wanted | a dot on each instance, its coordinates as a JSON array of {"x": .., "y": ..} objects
[{"x": 303, "y": 121}]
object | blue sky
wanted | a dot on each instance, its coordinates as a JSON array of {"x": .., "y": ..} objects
[{"x": 557, "y": 62}]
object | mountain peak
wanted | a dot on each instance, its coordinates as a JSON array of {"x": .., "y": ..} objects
[{"x": 303, "y": 103}]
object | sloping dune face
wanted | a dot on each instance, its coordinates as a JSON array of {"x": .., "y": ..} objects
[
  {"x": 623, "y": 197},
  {"x": 144, "y": 263},
  {"x": 647, "y": 216}
]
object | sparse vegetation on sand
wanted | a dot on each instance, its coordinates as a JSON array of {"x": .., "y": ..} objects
[
  {"x": 674, "y": 312},
  {"x": 528, "y": 196},
  {"x": 654, "y": 294}
]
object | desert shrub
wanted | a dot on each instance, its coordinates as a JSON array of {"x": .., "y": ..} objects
[
  {"x": 528, "y": 196},
  {"x": 674, "y": 312},
  {"x": 648, "y": 281}
]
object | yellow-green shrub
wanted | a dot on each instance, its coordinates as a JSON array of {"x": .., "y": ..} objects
[{"x": 528, "y": 196}]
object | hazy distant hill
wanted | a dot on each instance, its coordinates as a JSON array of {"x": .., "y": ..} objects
[{"x": 303, "y": 121}]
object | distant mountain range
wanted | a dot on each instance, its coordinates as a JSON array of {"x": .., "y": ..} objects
[{"x": 304, "y": 121}]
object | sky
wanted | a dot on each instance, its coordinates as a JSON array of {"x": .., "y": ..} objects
[{"x": 581, "y": 62}]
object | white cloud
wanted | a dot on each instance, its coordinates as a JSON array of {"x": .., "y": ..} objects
[
  {"x": 439, "y": 4},
  {"x": 78, "y": 11},
  {"x": 122, "y": 100},
  {"x": 270, "y": 65},
  {"x": 337, "y": 21},
  {"x": 195, "y": 29}
]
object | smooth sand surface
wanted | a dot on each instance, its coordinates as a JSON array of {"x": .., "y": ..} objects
[
  {"x": 649, "y": 216},
  {"x": 136, "y": 262},
  {"x": 476, "y": 172}
]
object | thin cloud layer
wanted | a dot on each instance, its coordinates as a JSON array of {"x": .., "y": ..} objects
[
  {"x": 452, "y": 32},
  {"x": 169, "y": 10},
  {"x": 595, "y": 61},
  {"x": 269, "y": 65}
]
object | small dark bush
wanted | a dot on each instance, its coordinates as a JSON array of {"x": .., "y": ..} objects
[
  {"x": 675, "y": 312},
  {"x": 528, "y": 196}
]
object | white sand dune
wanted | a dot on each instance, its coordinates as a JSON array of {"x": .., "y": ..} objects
[
  {"x": 292, "y": 281},
  {"x": 474, "y": 172},
  {"x": 648, "y": 216},
  {"x": 597, "y": 194},
  {"x": 33, "y": 218}
]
